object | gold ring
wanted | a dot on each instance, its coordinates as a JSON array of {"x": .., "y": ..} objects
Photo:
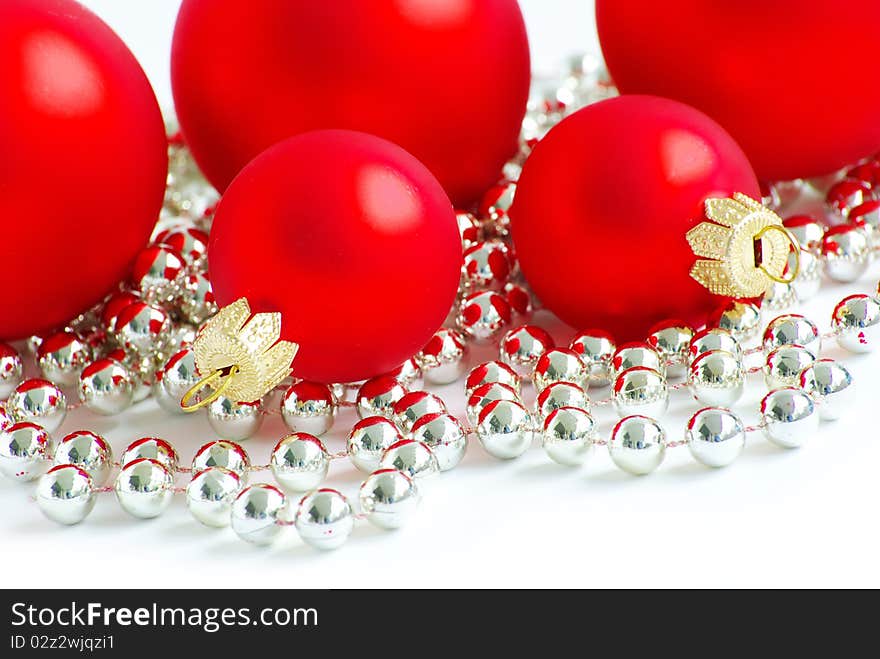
[
  {"x": 796, "y": 250},
  {"x": 224, "y": 376}
]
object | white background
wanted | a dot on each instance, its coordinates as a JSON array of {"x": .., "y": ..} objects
[{"x": 776, "y": 518}]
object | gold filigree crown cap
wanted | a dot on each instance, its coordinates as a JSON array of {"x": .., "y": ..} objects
[
  {"x": 239, "y": 356},
  {"x": 744, "y": 248}
]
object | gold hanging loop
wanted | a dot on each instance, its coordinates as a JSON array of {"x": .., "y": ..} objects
[
  {"x": 795, "y": 248},
  {"x": 217, "y": 381}
]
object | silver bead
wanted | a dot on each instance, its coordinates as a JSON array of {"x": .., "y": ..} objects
[
  {"x": 324, "y": 519},
  {"x": 89, "y": 452},
  {"x": 188, "y": 241},
  {"x": 807, "y": 231},
  {"x": 486, "y": 266},
  {"x": 62, "y": 356},
  {"x": 409, "y": 374},
  {"x": 309, "y": 407},
  {"x": 558, "y": 395},
  {"x": 198, "y": 303},
  {"x": 151, "y": 448},
  {"x": 25, "y": 452},
  {"x": 255, "y": 514},
  {"x": 141, "y": 327},
  {"x": 792, "y": 330},
  {"x": 741, "y": 319},
  {"x": 413, "y": 458},
  {"x": 222, "y": 453},
  {"x": 65, "y": 494},
  {"x": 784, "y": 365},
  {"x": 506, "y": 429},
  {"x": 368, "y": 440},
  {"x": 442, "y": 360},
  {"x": 672, "y": 340},
  {"x": 413, "y": 406},
  {"x": 40, "y": 402},
  {"x": 520, "y": 300},
  {"x": 845, "y": 195},
  {"x": 157, "y": 273},
  {"x": 717, "y": 378},
  {"x": 789, "y": 417},
  {"x": 469, "y": 228},
  {"x": 867, "y": 216},
  {"x": 830, "y": 385},
  {"x": 235, "y": 421},
  {"x": 568, "y": 436},
  {"x": 809, "y": 278},
  {"x": 178, "y": 376},
  {"x": 780, "y": 296},
  {"x": 634, "y": 355},
  {"x": 144, "y": 488},
  {"x": 106, "y": 387},
  {"x": 491, "y": 372},
  {"x": 522, "y": 347},
  {"x": 483, "y": 315},
  {"x": 443, "y": 434},
  {"x": 5, "y": 420},
  {"x": 709, "y": 340},
  {"x": 388, "y": 498},
  {"x": 637, "y": 445},
  {"x": 846, "y": 251},
  {"x": 855, "y": 321},
  {"x": 11, "y": 369},
  {"x": 483, "y": 396},
  {"x": 210, "y": 495},
  {"x": 300, "y": 462},
  {"x": 640, "y": 390},
  {"x": 377, "y": 397},
  {"x": 560, "y": 365},
  {"x": 715, "y": 437},
  {"x": 596, "y": 349}
]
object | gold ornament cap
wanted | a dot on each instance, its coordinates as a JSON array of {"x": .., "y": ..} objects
[
  {"x": 744, "y": 248},
  {"x": 239, "y": 356}
]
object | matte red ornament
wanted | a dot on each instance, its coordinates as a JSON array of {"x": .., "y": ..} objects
[
  {"x": 603, "y": 207},
  {"x": 83, "y": 165},
  {"x": 351, "y": 239},
  {"x": 786, "y": 78},
  {"x": 448, "y": 80}
]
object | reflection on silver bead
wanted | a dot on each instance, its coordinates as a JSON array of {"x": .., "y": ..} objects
[
  {"x": 808, "y": 231},
  {"x": 789, "y": 417},
  {"x": 505, "y": 429},
  {"x": 38, "y": 401},
  {"x": 178, "y": 376},
  {"x": 792, "y": 330},
  {"x": 5, "y": 420},
  {"x": 151, "y": 448},
  {"x": 633, "y": 355},
  {"x": 157, "y": 273},
  {"x": 62, "y": 356},
  {"x": 409, "y": 374},
  {"x": 830, "y": 385},
  {"x": 413, "y": 458},
  {"x": 443, "y": 434},
  {"x": 483, "y": 315},
  {"x": 856, "y": 321},
  {"x": 637, "y": 445},
  {"x": 368, "y": 440},
  {"x": 709, "y": 340},
  {"x": 486, "y": 266},
  {"x": 65, "y": 494},
  {"x": 717, "y": 378},
  {"x": 442, "y": 360},
  {"x": 485, "y": 395},
  {"x": 596, "y": 349},
  {"x": 671, "y": 340},
  {"x": 198, "y": 303},
  {"x": 522, "y": 347},
  {"x": 559, "y": 365},
  {"x": 324, "y": 519},
  {"x": 222, "y": 453},
  {"x": 715, "y": 437},
  {"x": 105, "y": 387},
  {"x": 741, "y": 319},
  {"x": 568, "y": 436},
  {"x": 144, "y": 488},
  {"x": 25, "y": 452},
  {"x": 377, "y": 397},
  {"x": 413, "y": 406},
  {"x": 492, "y": 372},
  {"x": 255, "y": 514},
  {"x": 88, "y": 451},
  {"x": 300, "y": 462},
  {"x": 558, "y": 395},
  {"x": 388, "y": 498},
  {"x": 784, "y": 365},
  {"x": 309, "y": 407},
  {"x": 469, "y": 229},
  {"x": 809, "y": 278},
  {"x": 141, "y": 327},
  {"x": 210, "y": 495},
  {"x": 235, "y": 421},
  {"x": 640, "y": 390},
  {"x": 779, "y": 297},
  {"x": 11, "y": 369},
  {"x": 846, "y": 251}
]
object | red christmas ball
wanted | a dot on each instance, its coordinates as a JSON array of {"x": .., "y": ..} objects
[
  {"x": 84, "y": 161},
  {"x": 351, "y": 239},
  {"x": 603, "y": 206},
  {"x": 785, "y": 78},
  {"x": 447, "y": 80}
]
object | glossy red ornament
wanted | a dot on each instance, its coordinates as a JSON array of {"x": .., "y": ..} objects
[
  {"x": 786, "y": 78},
  {"x": 83, "y": 165},
  {"x": 351, "y": 239},
  {"x": 447, "y": 80},
  {"x": 603, "y": 207}
]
